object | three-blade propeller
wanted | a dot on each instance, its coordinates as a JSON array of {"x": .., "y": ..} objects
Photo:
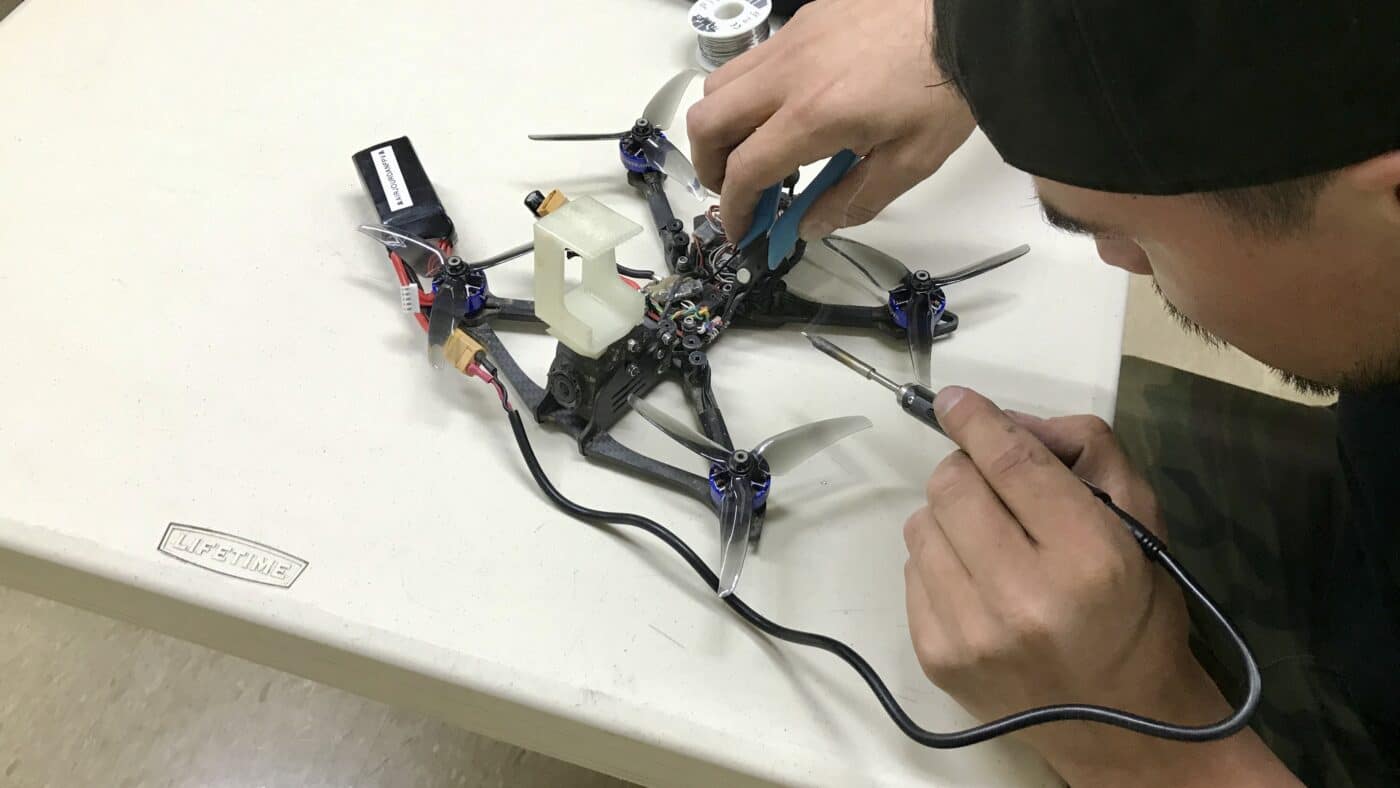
[
  {"x": 452, "y": 276},
  {"x": 917, "y": 294},
  {"x": 743, "y": 475},
  {"x": 658, "y": 150}
]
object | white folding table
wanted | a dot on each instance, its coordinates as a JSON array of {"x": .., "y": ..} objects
[{"x": 191, "y": 332}]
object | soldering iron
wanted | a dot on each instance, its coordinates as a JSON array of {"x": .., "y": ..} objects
[
  {"x": 913, "y": 398},
  {"x": 917, "y": 401}
]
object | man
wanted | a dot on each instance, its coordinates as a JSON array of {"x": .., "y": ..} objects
[{"x": 1247, "y": 157}]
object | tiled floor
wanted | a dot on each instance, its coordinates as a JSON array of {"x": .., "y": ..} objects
[{"x": 89, "y": 701}]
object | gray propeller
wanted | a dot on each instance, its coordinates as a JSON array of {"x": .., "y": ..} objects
[
  {"x": 787, "y": 450},
  {"x": 612, "y": 135},
  {"x": 398, "y": 238},
  {"x": 735, "y": 533},
  {"x": 659, "y": 151},
  {"x": 772, "y": 457},
  {"x": 661, "y": 110},
  {"x": 681, "y": 433},
  {"x": 886, "y": 272},
  {"x": 451, "y": 274},
  {"x": 875, "y": 270},
  {"x": 915, "y": 293},
  {"x": 977, "y": 269},
  {"x": 665, "y": 156}
]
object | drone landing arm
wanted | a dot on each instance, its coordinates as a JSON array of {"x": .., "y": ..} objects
[{"x": 605, "y": 448}]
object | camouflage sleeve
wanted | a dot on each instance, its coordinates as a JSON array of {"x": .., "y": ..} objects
[{"x": 1254, "y": 499}]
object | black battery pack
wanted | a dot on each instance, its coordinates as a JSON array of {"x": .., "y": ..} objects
[{"x": 402, "y": 194}]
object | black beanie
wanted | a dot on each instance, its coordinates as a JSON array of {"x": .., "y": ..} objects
[{"x": 1175, "y": 96}]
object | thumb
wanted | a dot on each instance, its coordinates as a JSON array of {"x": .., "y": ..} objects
[{"x": 889, "y": 171}]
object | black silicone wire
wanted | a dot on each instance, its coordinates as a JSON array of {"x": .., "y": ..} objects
[
  {"x": 1000, "y": 727},
  {"x": 635, "y": 273}
]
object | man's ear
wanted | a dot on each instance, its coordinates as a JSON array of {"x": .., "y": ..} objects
[{"x": 1378, "y": 178}]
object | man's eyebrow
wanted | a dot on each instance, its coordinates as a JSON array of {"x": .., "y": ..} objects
[{"x": 1059, "y": 219}]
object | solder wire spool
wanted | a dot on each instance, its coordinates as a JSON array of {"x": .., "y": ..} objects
[{"x": 726, "y": 29}]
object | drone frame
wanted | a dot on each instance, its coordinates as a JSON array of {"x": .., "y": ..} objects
[{"x": 762, "y": 302}]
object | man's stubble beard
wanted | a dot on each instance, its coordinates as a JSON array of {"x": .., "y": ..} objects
[{"x": 1364, "y": 376}]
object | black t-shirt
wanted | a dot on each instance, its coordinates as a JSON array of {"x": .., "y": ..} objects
[{"x": 1366, "y": 597}]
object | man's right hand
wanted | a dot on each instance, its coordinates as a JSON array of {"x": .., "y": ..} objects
[{"x": 855, "y": 74}]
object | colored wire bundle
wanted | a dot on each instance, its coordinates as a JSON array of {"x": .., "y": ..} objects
[{"x": 406, "y": 276}]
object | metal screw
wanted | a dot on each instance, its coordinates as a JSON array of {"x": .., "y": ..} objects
[{"x": 633, "y": 370}]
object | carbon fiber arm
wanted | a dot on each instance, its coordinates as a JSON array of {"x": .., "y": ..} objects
[
  {"x": 649, "y": 186},
  {"x": 701, "y": 396},
  {"x": 605, "y": 448},
  {"x": 602, "y": 447},
  {"x": 514, "y": 309},
  {"x": 784, "y": 307}
]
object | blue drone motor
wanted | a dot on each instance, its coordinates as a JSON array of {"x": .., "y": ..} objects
[
  {"x": 477, "y": 291},
  {"x": 719, "y": 473},
  {"x": 899, "y": 299}
]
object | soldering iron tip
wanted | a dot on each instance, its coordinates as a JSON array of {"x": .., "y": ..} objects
[{"x": 823, "y": 344}]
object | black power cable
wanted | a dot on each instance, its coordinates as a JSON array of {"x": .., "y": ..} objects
[{"x": 1000, "y": 727}]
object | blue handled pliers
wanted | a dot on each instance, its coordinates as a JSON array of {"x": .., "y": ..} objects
[{"x": 771, "y": 238}]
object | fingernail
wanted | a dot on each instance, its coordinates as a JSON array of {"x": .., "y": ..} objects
[{"x": 947, "y": 399}]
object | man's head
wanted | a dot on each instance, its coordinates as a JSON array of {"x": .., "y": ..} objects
[
  {"x": 1248, "y": 160},
  {"x": 1304, "y": 276}
]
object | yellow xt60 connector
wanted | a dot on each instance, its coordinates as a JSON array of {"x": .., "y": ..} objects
[
  {"x": 461, "y": 350},
  {"x": 553, "y": 202}
]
